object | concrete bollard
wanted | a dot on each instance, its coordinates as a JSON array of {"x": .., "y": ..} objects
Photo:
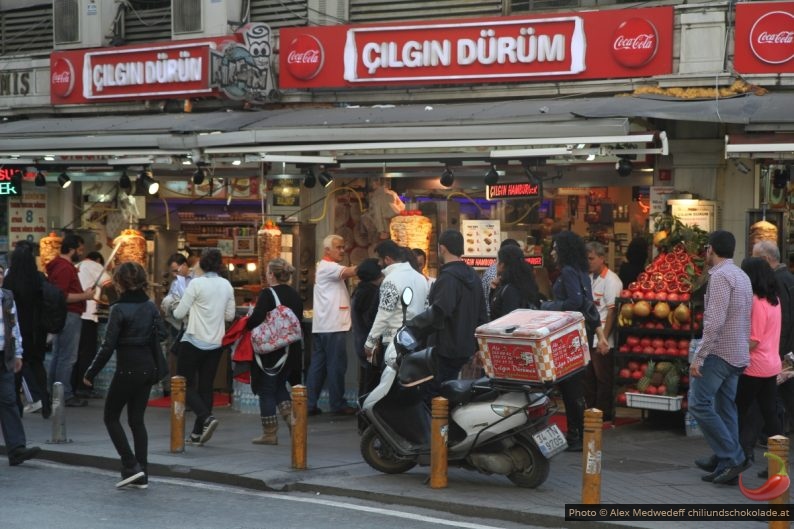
[
  {"x": 58, "y": 415},
  {"x": 591, "y": 456},
  {"x": 177, "y": 414},
  {"x": 300, "y": 420},
  {"x": 779, "y": 445},
  {"x": 439, "y": 429}
]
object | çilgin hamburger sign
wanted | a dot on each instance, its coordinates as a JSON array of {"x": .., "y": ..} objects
[{"x": 584, "y": 45}]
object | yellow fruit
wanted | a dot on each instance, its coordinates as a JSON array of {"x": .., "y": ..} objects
[
  {"x": 658, "y": 237},
  {"x": 661, "y": 310},
  {"x": 682, "y": 313},
  {"x": 627, "y": 310},
  {"x": 642, "y": 309}
]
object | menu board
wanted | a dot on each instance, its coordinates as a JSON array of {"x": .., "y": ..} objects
[
  {"x": 481, "y": 238},
  {"x": 27, "y": 217},
  {"x": 700, "y": 213}
]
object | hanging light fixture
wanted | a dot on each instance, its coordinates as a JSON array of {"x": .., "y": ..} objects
[
  {"x": 447, "y": 177},
  {"x": 63, "y": 180},
  {"x": 624, "y": 167},
  {"x": 146, "y": 181},
  {"x": 325, "y": 177},
  {"x": 41, "y": 179},
  {"x": 492, "y": 176},
  {"x": 124, "y": 180},
  {"x": 309, "y": 180},
  {"x": 200, "y": 175}
]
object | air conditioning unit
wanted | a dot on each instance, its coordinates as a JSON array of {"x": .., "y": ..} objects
[
  {"x": 82, "y": 23},
  {"x": 191, "y": 19},
  {"x": 328, "y": 12}
]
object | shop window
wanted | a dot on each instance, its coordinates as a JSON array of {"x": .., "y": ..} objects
[{"x": 26, "y": 31}]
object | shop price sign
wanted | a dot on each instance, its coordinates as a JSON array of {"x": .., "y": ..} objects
[
  {"x": 764, "y": 37},
  {"x": 27, "y": 217},
  {"x": 514, "y": 190},
  {"x": 10, "y": 182},
  {"x": 582, "y": 45}
]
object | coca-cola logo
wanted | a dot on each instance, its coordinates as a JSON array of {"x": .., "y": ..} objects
[
  {"x": 772, "y": 37},
  {"x": 305, "y": 57},
  {"x": 62, "y": 77},
  {"x": 634, "y": 43}
]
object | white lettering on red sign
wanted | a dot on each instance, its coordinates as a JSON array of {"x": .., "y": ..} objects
[
  {"x": 635, "y": 42},
  {"x": 160, "y": 71},
  {"x": 306, "y": 57},
  {"x": 639, "y": 42},
  {"x": 772, "y": 36},
  {"x": 524, "y": 48}
]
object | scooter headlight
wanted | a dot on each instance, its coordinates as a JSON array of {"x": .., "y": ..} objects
[
  {"x": 503, "y": 410},
  {"x": 405, "y": 341}
]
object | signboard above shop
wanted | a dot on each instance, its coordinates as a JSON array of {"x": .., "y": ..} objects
[
  {"x": 10, "y": 182},
  {"x": 565, "y": 46},
  {"x": 764, "y": 37},
  {"x": 236, "y": 66},
  {"x": 513, "y": 190}
]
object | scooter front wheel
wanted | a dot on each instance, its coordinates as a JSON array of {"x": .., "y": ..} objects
[
  {"x": 380, "y": 456},
  {"x": 535, "y": 472}
]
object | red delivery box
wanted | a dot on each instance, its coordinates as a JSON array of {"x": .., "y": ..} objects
[{"x": 534, "y": 346}]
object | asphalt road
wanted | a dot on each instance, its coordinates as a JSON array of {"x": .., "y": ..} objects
[{"x": 46, "y": 495}]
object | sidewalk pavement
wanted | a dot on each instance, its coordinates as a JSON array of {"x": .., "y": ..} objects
[{"x": 642, "y": 463}]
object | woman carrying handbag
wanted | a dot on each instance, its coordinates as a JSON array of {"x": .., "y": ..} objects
[
  {"x": 270, "y": 372},
  {"x": 131, "y": 322}
]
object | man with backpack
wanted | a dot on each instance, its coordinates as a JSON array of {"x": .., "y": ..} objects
[{"x": 62, "y": 273}]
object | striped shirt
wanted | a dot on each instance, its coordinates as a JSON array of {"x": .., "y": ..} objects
[{"x": 726, "y": 321}]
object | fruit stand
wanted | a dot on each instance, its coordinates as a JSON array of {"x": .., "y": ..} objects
[{"x": 657, "y": 319}]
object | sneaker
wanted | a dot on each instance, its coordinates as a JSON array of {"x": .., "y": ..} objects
[
  {"x": 194, "y": 439},
  {"x": 129, "y": 475},
  {"x": 33, "y": 407},
  {"x": 74, "y": 402},
  {"x": 140, "y": 483},
  {"x": 209, "y": 428},
  {"x": 20, "y": 455}
]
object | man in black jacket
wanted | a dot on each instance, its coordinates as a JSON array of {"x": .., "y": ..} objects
[{"x": 458, "y": 306}]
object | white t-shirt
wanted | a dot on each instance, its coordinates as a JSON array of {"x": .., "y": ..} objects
[
  {"x": 331, "y": 299},
  {"x": 88, "y": 271},
  {"x": 606, "y": 287}
]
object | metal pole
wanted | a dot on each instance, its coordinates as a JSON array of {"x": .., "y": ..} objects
[
  {"x": 300, "y": 419},
  {"x": 58, "y": 415},
  {"x": 591, "y": 456},
  {"x": 177, "y": 415},
  {"x": 438, "y": 443},
  {"x": 779, "y": 446}
]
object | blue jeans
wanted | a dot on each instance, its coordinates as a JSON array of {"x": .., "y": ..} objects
[
  {"x": 329, "y": 355},
  {"x": 65, "y": 346},
  {"x": 10, "y": 421},
  {"x": 712, "y": 404},
  {"x": 272, "y": 390}
]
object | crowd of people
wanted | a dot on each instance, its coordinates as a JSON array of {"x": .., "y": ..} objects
[{"x": 734, "y": 374}]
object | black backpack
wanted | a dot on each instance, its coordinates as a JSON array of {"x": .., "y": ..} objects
[{"x": 53, "y": 308}]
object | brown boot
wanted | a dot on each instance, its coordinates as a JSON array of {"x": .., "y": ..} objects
[
  {"x": 285, "y": 410},
  {"x": 269, "y": 431}
]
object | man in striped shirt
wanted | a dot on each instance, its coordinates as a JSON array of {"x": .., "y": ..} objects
[{"x": 723, "y": 354}]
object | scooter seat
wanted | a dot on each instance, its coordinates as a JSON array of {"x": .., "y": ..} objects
[{"x": 458, "y": 392}]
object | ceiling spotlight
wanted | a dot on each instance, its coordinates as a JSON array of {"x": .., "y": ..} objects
[
  {"x": 146, "y": 181},
  {"x": 325, "y": 177},
  {"x": 237, "y": 161},
  {"x": 200, "y": 175},
  {"x": 624, "y": 167},
  {"x": 63, "y": 180},
  {"x": 124, "y": 180},
  {"x": 492, "y": 176},
  {"x": 40, "y": 180},
  {"x": 447, "y": 177},
  {"x": 309, "y": 180}
]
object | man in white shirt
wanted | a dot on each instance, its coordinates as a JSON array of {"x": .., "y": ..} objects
[
  {"x": 91, "y": 271},
  {"x": 331, "y": 322},
  {"x": 606, "y": 286},
  {"x": 399, "y": 275}
]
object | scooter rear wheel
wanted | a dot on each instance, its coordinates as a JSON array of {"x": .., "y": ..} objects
[
  {"x": 379, "y": 455},
  {"x": 536, "y": 472}
]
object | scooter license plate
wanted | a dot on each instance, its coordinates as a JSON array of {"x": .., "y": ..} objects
[{"x": 550, "y": 441}]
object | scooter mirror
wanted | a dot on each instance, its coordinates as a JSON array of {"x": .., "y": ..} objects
[{"x": 408, "y": 296}]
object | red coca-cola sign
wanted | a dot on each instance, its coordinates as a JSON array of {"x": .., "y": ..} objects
[
  {"x": 764, "y": 37},
  {"x": 61, "y": 77},
  {"x": 635, "y": 42},
  {"x": 305, "y": 57},
  {"x": 772, "y": 37}
]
